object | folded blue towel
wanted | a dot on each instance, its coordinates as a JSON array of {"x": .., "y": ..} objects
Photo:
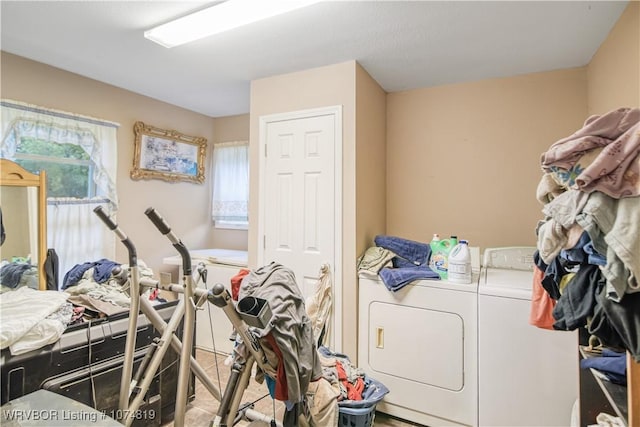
[
  {"x": 396, "y": 278},
  {"x": 408, "y": 252}
]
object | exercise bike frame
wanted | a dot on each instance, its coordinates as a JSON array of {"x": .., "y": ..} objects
[{"x": 133, "y": 390}]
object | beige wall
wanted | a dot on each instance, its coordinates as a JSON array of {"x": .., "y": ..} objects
[
  {"x": 614, "y": 71},
  {"x": 371, "y": 165},
  {"x": 185, "y": 206},
  {"x": 465, "y": 159},
  {"x": 230, "y": 128},
  {"x": 319, "y": 87},
  {"x": 371, "y": 191}
]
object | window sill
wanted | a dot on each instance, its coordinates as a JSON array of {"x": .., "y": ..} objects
[{"x": 231, "y": 225}]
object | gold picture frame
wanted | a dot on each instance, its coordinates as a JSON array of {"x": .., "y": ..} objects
[{"x": 168, "y": 155}]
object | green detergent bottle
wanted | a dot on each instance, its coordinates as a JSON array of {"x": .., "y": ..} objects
[{"x": 440, "y": 249}]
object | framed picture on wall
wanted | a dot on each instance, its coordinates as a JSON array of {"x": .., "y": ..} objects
[{"x": 168, "y": 155}]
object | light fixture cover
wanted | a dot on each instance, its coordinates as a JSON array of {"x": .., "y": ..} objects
[{"x": 219, "y": 18}]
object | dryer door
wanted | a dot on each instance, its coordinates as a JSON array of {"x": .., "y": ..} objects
[
  {"x": 402, "y": 344},
  {"x": 421, "y": 343}
]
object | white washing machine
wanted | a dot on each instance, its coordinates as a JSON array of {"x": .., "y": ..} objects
[{"x": 527, "y": 376}]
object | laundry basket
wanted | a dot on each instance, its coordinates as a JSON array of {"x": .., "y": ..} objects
[
  {"x": 360, "y": 413},
  {"x": 356, "y": 417}
]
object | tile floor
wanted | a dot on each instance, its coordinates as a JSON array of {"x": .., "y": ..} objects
[{"x": 201, "y": 410}]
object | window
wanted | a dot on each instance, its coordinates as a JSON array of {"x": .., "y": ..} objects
[
  {"x": 79, "y": 154},
  {"x": 69, "y": 167},
  {"x": 230, "y": 166}
]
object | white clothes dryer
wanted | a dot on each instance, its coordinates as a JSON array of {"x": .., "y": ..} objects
[
  {"x": 421, "y": 343},
  {"x": 527, "y": 376}
]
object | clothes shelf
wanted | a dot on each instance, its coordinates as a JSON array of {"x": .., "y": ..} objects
[{"x": 598, "y": 395}]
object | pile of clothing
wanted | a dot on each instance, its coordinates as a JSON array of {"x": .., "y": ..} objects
[
  {"x": 294, "y": 373},
  {"x": 397, "y": 261},
  {"x": 92, "y": 290},
  {"x": 16, "y": 274},
  {"x": 32, "y": 319},
  {"x": 101, "y": 287},
  {"x": 588, "y": 255},
  {"x": 311, "y": 381},
  {"x": 352, "y": 385},
  {"x": 342, "y": 375}
]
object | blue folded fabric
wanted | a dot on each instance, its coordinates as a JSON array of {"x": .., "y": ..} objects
[
  {"x": 101, "y": 272},
  {"x": 612, "y": 364},
  {"x": 11, "y": 274},
  {"x": 75, "y": 274},
  {"x": 102, "y": 269},
  {"x": 583, "y": 252},
  {"x": 396, "y": 278},
  {"x": 593, "y": 257},
  {"x": 408, "y": 252}
]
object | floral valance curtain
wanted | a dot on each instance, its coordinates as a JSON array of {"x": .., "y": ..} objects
[
  {"x": 230, "y": 166},
  {"x": 97, "y": 137},
  {"x": 73, "y": 229}
]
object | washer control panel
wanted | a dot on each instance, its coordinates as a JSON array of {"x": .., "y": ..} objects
[{"x": 510, "y": 258}]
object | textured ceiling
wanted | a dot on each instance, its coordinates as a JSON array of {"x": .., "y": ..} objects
[{"x": 402, "y": 44}]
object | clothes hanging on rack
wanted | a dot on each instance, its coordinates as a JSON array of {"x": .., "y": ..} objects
[
  {"x": 290, "y": 324},
  {"x": 589, "y": 241}
]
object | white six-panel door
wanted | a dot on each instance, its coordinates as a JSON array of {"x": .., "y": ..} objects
[{"x": 300, "y": 203}]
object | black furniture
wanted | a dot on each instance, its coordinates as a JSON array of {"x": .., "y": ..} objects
[{"x": 86, "y": 365}]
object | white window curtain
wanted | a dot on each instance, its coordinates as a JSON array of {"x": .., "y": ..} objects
[
  {"x": 73, "y": 230},
  {"x": 230, "y": 166},
  {"x": 77, "y": 234}
]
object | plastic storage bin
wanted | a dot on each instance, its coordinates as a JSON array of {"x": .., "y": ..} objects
[{"x": 356, "y": 417}]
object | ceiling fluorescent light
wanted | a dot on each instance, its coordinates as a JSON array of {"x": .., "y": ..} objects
[{"x": 219, "y": 18}]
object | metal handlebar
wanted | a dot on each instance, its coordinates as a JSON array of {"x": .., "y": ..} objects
[
  {"x": 164, "y": 228},
  {"x": 131, "y": 249},
  {"x": 158, "y": 221},
  {"x": 134, "y": 307}
]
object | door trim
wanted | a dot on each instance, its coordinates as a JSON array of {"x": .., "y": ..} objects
[{"x": 336, "y": 111}]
